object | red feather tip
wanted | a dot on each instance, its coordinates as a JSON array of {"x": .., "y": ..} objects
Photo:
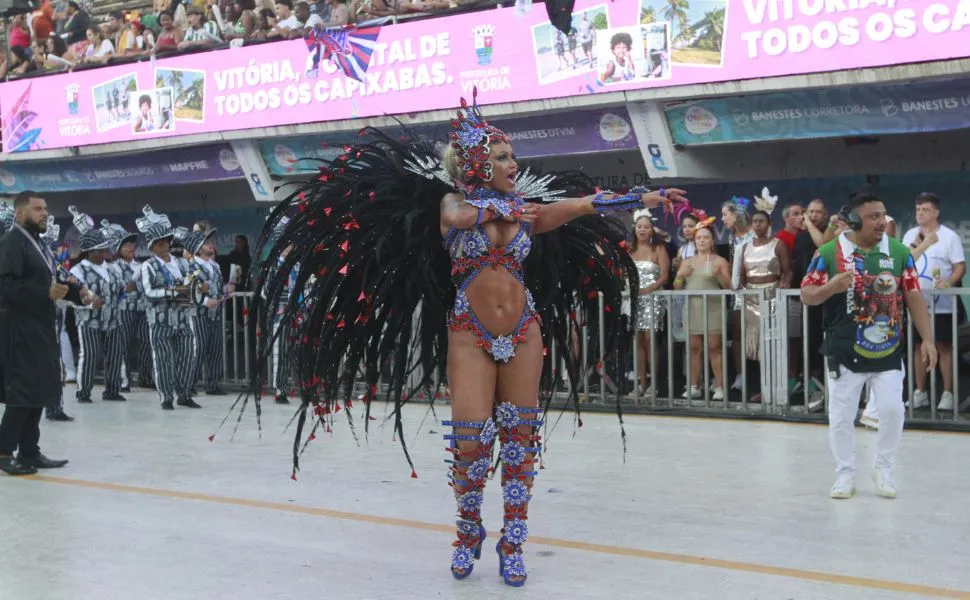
[
  {"x": 343, "y": 270},
  {"x": 293, "y": 476},
  {"x": 312, "y": 437},
  {"x": 212, "y": 437},
  {"x": 414, "y": 474}
]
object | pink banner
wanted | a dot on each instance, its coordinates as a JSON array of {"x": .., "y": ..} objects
[{"x": 420, "y": 66}]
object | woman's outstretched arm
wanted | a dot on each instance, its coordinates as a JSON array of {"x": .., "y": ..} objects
[{"x": 555, "y": 215}]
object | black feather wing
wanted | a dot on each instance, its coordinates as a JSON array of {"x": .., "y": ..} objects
[{"x": 372, "y": 287}]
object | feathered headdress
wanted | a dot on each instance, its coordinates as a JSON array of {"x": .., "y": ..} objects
[
  {"x": 643, "y": 212},
  {"x": 707, "y": 222},
  {"x": 741, "y": 203},
  {"x": 702, "y": 219},
  {"x": 471, "y": 140},
  {"x": 699, "y": 213},
  {"x": 765, "y": 201}
]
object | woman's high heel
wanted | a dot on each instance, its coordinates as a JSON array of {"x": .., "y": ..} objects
[
  {"x": 511, "y": 566},
  {"x": 466, "y": 549}
]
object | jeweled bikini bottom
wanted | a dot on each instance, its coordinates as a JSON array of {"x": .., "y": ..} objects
[{"x": 501, "y": 347}]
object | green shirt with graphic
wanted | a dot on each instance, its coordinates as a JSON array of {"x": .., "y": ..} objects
[{"x": 864, "y": 326}]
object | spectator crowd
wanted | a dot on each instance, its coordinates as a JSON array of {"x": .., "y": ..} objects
[
  {"x": 740, "y": 252},
  {"x": 61, "y": 36}
]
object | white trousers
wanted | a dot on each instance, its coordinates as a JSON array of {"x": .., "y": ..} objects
[{"x": 844, "y": 394}]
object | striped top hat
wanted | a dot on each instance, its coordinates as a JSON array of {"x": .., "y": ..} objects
[
  {"x": 116, "y": 234},
  {"x": 154, "y": 226},
  {"x": 91, "y": 238},
  {"x": 195, "y": 240}
]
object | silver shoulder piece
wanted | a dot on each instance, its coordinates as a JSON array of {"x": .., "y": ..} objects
[
  {"x": 530, "y": 185},
  {"x": 427, "y": 167}
]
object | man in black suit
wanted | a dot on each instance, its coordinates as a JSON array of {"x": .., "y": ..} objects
[{"x": 29, "y": 351}]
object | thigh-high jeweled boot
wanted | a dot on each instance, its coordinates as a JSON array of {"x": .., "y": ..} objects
[
  {"x": 519, "y": 435},
  {"x": 471, "y": 448}
]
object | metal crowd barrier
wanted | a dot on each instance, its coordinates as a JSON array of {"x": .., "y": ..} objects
[
  {"x": 238, "y": 347},
  {"x": 669, "y": 368}
]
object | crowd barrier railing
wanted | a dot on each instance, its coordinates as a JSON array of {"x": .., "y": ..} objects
[
  {"x": 787, "y": 390},
  {"x": 238, "y": 345}
]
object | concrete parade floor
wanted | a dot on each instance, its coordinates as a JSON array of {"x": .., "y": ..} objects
[{"x": 148, "y": 509}]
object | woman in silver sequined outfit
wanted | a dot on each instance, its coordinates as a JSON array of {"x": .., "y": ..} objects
[{"x": 649, "y": 254}]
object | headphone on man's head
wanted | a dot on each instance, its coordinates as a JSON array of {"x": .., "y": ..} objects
[{"x": 851, "y": 217}]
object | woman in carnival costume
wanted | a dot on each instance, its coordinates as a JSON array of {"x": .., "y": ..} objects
[
  {"x": 649, "y": 254},
  {"x": 375, "y": 238}
]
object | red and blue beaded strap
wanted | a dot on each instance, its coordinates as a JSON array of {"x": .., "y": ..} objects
[{"x": 629, "y": 201}]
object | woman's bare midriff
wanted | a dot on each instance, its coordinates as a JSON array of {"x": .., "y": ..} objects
[{"x": 496, "y": 296}]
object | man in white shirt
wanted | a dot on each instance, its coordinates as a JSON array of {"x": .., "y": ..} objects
[
  {"x": 286, "y": 21},
  {"x": 940, "y": 264}
]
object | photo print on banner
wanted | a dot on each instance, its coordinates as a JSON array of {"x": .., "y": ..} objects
[
  {"x": 697, "y": 29},
  {"x": 188, "y": 87},
  {"x": 559, "y": 56},
  {"x": 638, "y": 53},
  {"x": 112, "y": 103},
  {"x": 153, "y": 111}
]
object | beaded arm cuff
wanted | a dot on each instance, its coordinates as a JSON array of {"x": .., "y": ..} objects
[{"x": 629, "y": 201}]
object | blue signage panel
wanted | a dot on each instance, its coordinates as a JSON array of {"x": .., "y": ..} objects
[
  {"x": 168, "y": 167},
  {"x": 835, "y": 112},
  {"x": 554, "y": 134}
]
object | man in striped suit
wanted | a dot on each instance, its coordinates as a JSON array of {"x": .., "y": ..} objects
[
  {"x": 97, "y": 324},
  {"x": 163, "y": 278},
  {"x": 130, "y": 304},
  {"x": 207, "y": 320}
]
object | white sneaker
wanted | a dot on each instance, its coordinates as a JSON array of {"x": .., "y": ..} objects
[
  {"x": 718, "y": 394},
  {"x": 920, "y": 400},
  {"x": 71, "y": 377},
  {"x": 885, "y": 486},
  {"x": 738, "y": 383},
  {"x": 870, "y": 422},
  {"x": 843, "y": 489},
  {"x": 816, "y": 402},
  {"x": 946, "y": 401},
  {"x": 692, "y": 392}
]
